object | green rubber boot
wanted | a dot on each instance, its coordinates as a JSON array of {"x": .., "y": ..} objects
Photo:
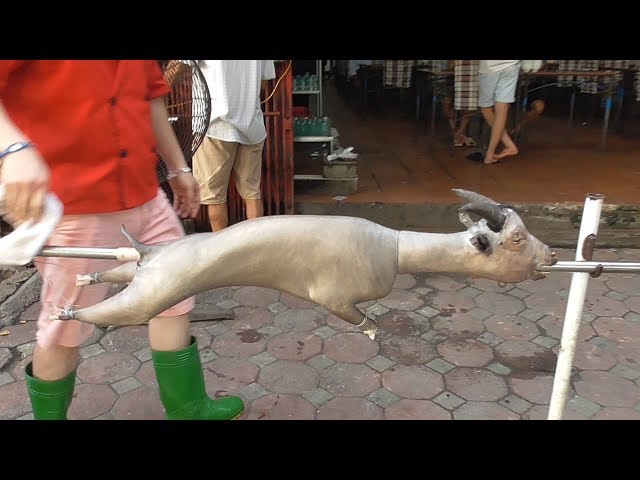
[
  {"x": 182, "y": 389},
  {"x": 50, "y": 400}
]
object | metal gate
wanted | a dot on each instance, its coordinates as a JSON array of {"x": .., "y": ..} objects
[{"x": 277, "y": 156}]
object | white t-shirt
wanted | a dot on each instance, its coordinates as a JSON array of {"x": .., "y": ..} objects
[
  {"x": 493, "y": 66},
  {"x": 234, "y": 86}
]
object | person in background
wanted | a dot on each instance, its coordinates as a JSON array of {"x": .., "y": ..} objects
[
  {"x": 457, "y": 87},
  {"x": 497, "y": 83},
  {"x": 235, "y": 137}
]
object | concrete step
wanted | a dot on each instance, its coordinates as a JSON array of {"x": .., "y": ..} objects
[{"x": 321, "y": 185}]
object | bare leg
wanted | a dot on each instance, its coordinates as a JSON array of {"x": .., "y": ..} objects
[
  {"x": 218, "y": 216},
  {"x": 169, "y": 333},
  {"x": 54, "y": 362},
  {"x": 255, "y": 208},
  {"x": 448, "y": 111},
  {"x": 461, "y": 132},
  {"x": 498, "y": 122}
]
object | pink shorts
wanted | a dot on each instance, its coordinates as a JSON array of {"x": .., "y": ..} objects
[{"x": 154, "y": 222}]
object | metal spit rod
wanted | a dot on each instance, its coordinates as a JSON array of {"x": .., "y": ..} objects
[
  {"x": 592, "y": 267},
  {"x": 120, "y": 253},
  {"x": 130, "y": 254}
]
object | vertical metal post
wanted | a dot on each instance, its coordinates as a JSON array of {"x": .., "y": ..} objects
[
  {"x": 605, "y": 126},
  {"x": 434, "y": 100},
  {"x": 319, "y": 95},
  {"x": 572, "y": 107},
  {"x": 525, "y": 102},
  {"x": 620, "y": 104},
  {"x": 517, "y": 114},
  {"x": 575, "y": 304}
]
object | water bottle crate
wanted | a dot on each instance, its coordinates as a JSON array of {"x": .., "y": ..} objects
[{"x": 311, "y": 127}]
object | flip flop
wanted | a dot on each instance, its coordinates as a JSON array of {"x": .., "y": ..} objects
[{"x": 466, "y": 142}]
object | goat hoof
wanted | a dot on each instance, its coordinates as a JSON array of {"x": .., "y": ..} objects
[
  {"x": 63, "y": 314},
  {"x": 88, "y": 279},
  {"x": 369, "y": 328}
]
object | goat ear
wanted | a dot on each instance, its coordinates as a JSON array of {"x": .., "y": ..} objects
[{"x": 481, "y": 242}]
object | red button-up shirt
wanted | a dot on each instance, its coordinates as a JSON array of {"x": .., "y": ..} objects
[{"x": 91, "y": 121}]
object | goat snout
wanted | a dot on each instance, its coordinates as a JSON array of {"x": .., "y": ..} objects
[{"x": 547, "y": 259}]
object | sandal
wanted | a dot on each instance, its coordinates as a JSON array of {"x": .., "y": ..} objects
[{"x": 466, "y": 141}]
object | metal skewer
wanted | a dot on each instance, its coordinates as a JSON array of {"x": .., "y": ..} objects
[
  {"x": 592, "y": 267},
  {"x": 130, "y": 254},
  {"x": 121, "y": 253}
]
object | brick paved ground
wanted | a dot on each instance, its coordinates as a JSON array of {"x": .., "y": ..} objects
[{"x": 447, "y": 348}]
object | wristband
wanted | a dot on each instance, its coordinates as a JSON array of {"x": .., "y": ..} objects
[{"x": 13, "y": 148}]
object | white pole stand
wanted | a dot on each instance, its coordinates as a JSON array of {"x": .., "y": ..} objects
[{"x": 575, "y": 304}]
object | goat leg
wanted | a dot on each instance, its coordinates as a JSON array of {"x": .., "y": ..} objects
[
  {"x": 351, "y": 314},
  {"x": 123, "y": 273}
]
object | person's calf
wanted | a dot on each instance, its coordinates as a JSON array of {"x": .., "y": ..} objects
[
  {"x": 169, "y": 333},
  {"x": 255, "y": 208},
  {"x": 218, "y": 216},
  {"x": 54, "y": 362},
  {"x": 488, "y": 115}
]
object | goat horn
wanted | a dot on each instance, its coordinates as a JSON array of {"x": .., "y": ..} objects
[
  {"x": 474, "y": 197},
  {"x": 494, "y": 214}
]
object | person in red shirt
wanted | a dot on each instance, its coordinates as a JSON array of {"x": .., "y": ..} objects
[{"x": 90, "y": 132}]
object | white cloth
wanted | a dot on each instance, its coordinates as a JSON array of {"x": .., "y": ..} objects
[
  {"x": 493, "y": 66},
  {"x": 24, "y": 243},
  {"x": 234, "y": 86}
]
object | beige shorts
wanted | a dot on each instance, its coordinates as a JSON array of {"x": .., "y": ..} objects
[
  {"x": 212, "y": 165},
  {"x": 153, "y": 222}
]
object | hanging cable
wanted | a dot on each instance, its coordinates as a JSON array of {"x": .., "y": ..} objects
[{"x": 278, "y": 82}]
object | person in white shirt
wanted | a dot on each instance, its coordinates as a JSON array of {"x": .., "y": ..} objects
[
  {"x": 497, "y": 82},
  {"x": 235, "y": 137}
]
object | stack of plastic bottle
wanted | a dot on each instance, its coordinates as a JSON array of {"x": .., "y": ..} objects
[
  {"x": 306, "y": 83},
  {"x": 311, "y": 127}
]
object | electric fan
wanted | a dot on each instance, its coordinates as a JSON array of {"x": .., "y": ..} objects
[{"x": 188, "y": 106}]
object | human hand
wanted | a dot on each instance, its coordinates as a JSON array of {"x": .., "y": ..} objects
[
  {"x": 25, "y": 177},
  {"x": 186, "y": 195}
]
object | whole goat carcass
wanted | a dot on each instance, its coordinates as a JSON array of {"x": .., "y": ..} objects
[{"x": 335, "y": 261}]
